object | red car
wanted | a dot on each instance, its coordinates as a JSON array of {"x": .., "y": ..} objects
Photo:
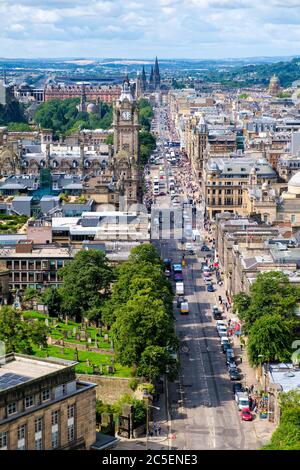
[{"x": 246, "y": 414}]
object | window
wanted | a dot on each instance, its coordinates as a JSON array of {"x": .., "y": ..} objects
[
  {"x": 71, "y": 433},
  {"x": 11, "y": 408},
  {"x": 64, "y": 390},
  {"x": 38, "y": 424},
  {"x": 54, "y": 439},
  {"x": 55, "y": 417},
  {"x": 29, "y": 401},
  {"x": 71, "y": 411},
  {"x": 21, "y": 437},
  {"x": 293, "y": 218},
  {"x": 3, "y": 440},
  {"x": 46, "y": 395},
  {"x": 38, "y": 437}
]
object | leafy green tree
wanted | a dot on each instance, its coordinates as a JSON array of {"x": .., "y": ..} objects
[
  {"x": 31, "y": 294},
  {"x": 147, "y": 143},
  {"x": 145, "y": 252},
  {"x": 85, "y": 283},
  {"x": 155, "y": 361},
  {"x": 141, "y": 322},
  {"x": 64, "y": 118},
  {"x": 12, "y": 112},
  {"x": 51, "y": 297},
  {"x": 271, "y": 293},
  {"x": 270, "y": 336},
  {"x": 287, "y": 435},
  {"x": 19, "y": 127},
  {"x": 20, "y": 336},
  {"x": 109, "y": 139}
]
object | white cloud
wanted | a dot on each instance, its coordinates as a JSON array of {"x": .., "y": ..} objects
[{"x": 132, "y": 28}]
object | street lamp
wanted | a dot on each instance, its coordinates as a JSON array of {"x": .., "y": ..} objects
[
  {"x": 147, "y": 417},
  {"x": 265, "y": 372}
]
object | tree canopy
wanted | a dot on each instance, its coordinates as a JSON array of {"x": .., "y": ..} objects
[
  {"x": 85, "y": 283},
  {"x": 287, "y": 435},
  {"x": 269, "y": 317},
  {"x": 12, "y": 112},
  {"x": 140, "y": 313},
  {"x": 63, "y": 116},
  {"x": 20, "y": 336}
]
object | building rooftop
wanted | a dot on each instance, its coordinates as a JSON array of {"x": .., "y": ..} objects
[
  {"x": 286, "y": 376},
  {"x": 16, "y": 369}
]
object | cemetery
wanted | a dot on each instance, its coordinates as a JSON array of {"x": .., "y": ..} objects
[{"x": 91, "y": 347}]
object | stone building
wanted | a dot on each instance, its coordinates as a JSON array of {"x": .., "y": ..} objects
[
  {"x": 274, "y": 85},
  {"x": 43, "y": 406},
  {"x": 106, "y": 93},
  {"x": 224, "y": 179}
]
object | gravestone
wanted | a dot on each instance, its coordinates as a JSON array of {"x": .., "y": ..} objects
[
  {"x": 95, "y": 369},
  {"x": 106, "y": 337},
  {"x": 66, "y": 320},
  {"x": 99, "y": 332},
  {"x": 77, "y": 337},
  {"x": 88, "y": 362},
  {"x": 69, "y": 334},
  {"x": 82, "y": 335},
  {"x": 76, "y": 358},
  {"x": 89, "y": 340},
  {"x": 74, "y": 330},
  {"x": 65, "y": 333},
  {"x": 47, "y": 322},
  {"x": 110, "y": 369}
]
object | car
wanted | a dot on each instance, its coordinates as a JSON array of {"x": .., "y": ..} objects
[
  {"x": 222, "y": 330},
  {"x": 237, "y": 387},
  {"x": 246, "y": 414},
  {"x": 178, "y": 277},
  {"x": 220, "y": 323},
  {"x": 234, "y": 375},
  {"x": 210, "y": 288},
  {"x": 216, "y": 313},
  {"x": 204, "y": 248},
  {"x": 232, "y": 366},
  {"x": 226, "y": 347},
  {"x": 189, "y": 248},
  {"x": 167, "y": 273},
  {"x": 230, "y": 361},
  {"x": 224, "y": 340},
  {"x": 207, "y": 280}
]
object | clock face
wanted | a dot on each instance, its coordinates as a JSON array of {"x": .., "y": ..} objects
[{"x": 126, "y": 115}]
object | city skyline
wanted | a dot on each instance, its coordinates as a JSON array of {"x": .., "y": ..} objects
[{"x": 208, "y": 29}]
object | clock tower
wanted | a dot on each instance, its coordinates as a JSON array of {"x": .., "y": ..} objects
[
  {"x": 125, "y": 160},
  {"x": 126, "y": 125}
]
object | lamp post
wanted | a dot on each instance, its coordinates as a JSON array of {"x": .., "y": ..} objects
[
  {"x": 265, "y": 372},
  {"x": 147, "y": 416}
]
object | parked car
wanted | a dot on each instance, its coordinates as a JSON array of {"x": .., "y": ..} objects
[
  {"x": 224, "y": 340},
  {"x": 231, "y": 366},
  {"x": 178, "y": 277},
  {"x": 204, "y": 248},
  {"x": 234, "y": 375},
  {"x": 216, "y": 313},
  {"x": 222, "y": 330},
  {"x": 167, "y": 273},
  {"x": 189, "y": 248},
  {"x": 237, "y": 387},
  {"x": 210, "y": 288},
  {"x": 246, "y": 414},
  {"x": 226, "y": 347}
]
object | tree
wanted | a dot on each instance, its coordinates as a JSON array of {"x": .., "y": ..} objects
[
  {"x": 109, "y": 139},
  {"x": 155, "y": 361},
  {"x": 270, "y": 336},
  {"x": 85, "y": 283},
  {"x": 147, "y": 143},
  {"x": 271, "y": 293},
  {"x": 64, "y": 118},
  {"x": 145, "y": 252},
  {"x": 141, "y": 322},
  {"x": 51, "y": 297},
  {"x": 287, "y": 435},
  {"x": 20, "y": 336}
]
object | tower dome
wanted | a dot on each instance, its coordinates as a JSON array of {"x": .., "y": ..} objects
[
  {"x": 294, "y": 184},
  {"x": 91, "y": 108}
]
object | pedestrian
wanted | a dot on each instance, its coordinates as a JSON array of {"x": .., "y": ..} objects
[
  {"x": 241, "y": 359},
  {"x": 159, "y": 430}
]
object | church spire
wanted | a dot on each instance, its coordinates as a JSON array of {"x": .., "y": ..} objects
[
  {"x": 156, "y": 74},
  {"x": 151, "y": 75}
]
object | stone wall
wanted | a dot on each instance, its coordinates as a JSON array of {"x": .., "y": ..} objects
[{"x": 109, "y": 389}]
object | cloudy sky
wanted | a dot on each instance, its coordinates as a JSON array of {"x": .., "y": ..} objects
[{"x": 144, "y": 28}]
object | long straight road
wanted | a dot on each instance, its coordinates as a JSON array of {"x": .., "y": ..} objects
[{"x": 202, "y": 407}]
